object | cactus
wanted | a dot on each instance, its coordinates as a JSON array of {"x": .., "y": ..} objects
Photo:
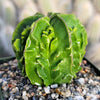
[{"x": 51, "y": 48}]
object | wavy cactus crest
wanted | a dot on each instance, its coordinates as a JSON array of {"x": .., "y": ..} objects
[{"x": 51, "y": 48}]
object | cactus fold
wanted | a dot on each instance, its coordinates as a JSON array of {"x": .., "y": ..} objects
[
  {"x": 20, "y": 36},
  {"x": 50, "y": 49}
]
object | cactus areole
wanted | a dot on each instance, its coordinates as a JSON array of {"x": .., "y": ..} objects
[{"x": 49, "y": 49}]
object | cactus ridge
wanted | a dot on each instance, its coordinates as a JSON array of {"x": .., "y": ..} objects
[
  {"x": 78, "y": 37},
  {"x": 19, "y": 38},
  {"x": 52, "y": 48}
]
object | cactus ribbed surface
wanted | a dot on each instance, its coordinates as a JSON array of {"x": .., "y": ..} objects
[
  {"x": 20, "y": 36},
  {"x": 51, "y": 48}
]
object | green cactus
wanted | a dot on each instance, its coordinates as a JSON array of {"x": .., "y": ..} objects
[{"x": 51, "y": 48}]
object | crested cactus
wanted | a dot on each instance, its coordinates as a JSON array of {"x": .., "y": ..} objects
[{"x": 50, "y": 49}]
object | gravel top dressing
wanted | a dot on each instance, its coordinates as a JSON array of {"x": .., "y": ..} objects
[{"x": 16, "y": 87}]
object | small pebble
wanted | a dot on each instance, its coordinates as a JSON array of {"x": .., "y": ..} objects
[
  {"x": 54, "y": 96},
  {"x": 47, "y": 90},
  {"x": 5, "y": 88},
  {"x": 98, "y": 92},
  {"x": 64, "y": 85},
  {"x": 11, "y": 74},
  {"x": 58, "y": 91},
  {"x": 84, "y": 92},
  {"x": 32, "y": 94},
  {"x": 39, "y": 88},
  {"x": 84, "y": 62},
  {"x": 8, "y": 72},
  {"x": 24, "y": 96},
  {"x": 72, "y": 89},
  {"x": 86, "y": 79},
  {"x": 10, "y": 62},
  {"x": 79, "y": 89},
  {"x": 69, "y": 98},
  {"x": 1, "y": 80},
  {"x": 15, "y": 61},
  {"x": 13, "y": 67},
  {"x": 1, "y": 74},
  {"x": 80, "y": 74},
  {"x": 44, "y": 94},
  {"x": 5, "y": 64},
  {"x": 83, "y": 72},
  {"x": 26, "y": 87},
  {"x": 66, "y": 93},
  {"x": 18, "y": 97},
  {"x": 24, "y": 93},
  {"x": 49, "y": 97},
  {"x": 54, "y": 86},
  {"x": 14, "y": 90},
  {"x": 4, "y": 75},
  {"x": 98, "y": 96},
  {"x": 78, "y": 98},
  {"x": 28, "y": 95},
  {"x": 5, "y": 94},
  {"x": 40, "y": 98},
  {"x": 80, "y": 81},
  {"x": 96, "y": 83},
  {"x": 87, "y": 70},
  {"x": 93, "y": 97},
  {"x": 85, "y": 75},
  {"x": 4, "y": 83},
  {"x": 76, "y": 93},
  {"x": 35, "y": 98}
]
